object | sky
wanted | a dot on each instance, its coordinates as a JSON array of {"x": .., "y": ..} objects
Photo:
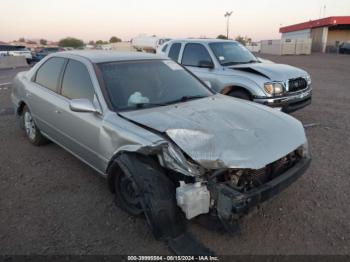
[{"x": 101, "y": 19}]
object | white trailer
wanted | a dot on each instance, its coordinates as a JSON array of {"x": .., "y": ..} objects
[{"x": 148, "y": 43}]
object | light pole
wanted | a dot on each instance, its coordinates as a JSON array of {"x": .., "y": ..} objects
[{"x": 227, "y": 16}]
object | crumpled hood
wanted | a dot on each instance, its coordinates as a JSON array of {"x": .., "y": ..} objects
[
  {"x": 274, "y": 72},
  {"x": 222, "y": 131}
]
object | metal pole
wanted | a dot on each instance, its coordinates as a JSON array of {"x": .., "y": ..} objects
[
  {"x": 227, "y": 15},
  {"x": 227, "y": 26}
]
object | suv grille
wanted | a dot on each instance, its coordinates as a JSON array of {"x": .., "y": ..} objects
[{"x": 297, "y": 84}]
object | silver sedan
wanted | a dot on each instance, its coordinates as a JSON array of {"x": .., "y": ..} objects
[{"x": 170, "y": 147}]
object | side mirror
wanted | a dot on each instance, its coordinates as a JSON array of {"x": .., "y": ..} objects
[
  {"x": 82, "y": 105},
  {"x": 206, "y": 64}
]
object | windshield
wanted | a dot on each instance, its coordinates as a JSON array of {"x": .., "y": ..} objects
[
  {"x": 232, "y": 53},
  {"x": 149, "y": 83}
]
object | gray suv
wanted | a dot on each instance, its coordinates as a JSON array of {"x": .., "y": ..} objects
[
  {"x": 231, "y": 69},
  {"x": 169, "y": 146}
]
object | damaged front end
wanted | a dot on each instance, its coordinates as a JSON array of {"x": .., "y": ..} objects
[
  {"x": 229, "y": 193},
  {"x": 167, "y": 181},
  {"x": 236, "y": 192},
  {"x": 220, "y": 164},
  {"x": 172, "y": 158}
]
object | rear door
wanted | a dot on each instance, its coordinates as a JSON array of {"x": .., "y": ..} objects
[
  {"x": 42, "y": 95},
  {"x": 174, "y": 52}
]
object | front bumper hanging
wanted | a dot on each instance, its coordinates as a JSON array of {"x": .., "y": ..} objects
[{"x": 232, "y": 204}]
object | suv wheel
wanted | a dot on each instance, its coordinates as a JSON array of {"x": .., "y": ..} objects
[{"x": 240, "y": 94}]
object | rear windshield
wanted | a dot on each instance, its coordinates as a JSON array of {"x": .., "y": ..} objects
[{"x": 149, "y": 83}]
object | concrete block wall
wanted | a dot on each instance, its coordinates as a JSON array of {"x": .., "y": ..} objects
[
  {"x": 7, "y": 62},
  {"x": 287, "y": 47}
]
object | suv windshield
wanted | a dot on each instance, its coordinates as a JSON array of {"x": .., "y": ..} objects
[
  {"x": 149, "y": 83},
  {"x": 232, "y": 53}
]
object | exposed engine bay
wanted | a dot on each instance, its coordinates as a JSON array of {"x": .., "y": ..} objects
[
  {"x": 195, "y": 198},
  {"x": 244, "y": 180}
]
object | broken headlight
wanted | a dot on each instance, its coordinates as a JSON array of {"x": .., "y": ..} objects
[
  {"x": 172, "y": 158},
  {"x": 274, "y": 88}
]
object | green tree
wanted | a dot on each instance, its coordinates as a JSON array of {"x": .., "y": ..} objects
[
  {"x": 100, "y": 42},
  {"x": 91, "y": 42},
  {"x": 43, "y": 42},
  {"x": 221, "y": 37},
  {"x": 241, "y": 39},
  {"x": 71, "y": 42},
  {"x": 114, "y": 39}
]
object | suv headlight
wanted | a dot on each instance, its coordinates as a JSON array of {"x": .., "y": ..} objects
[
  {"x": 308, "y": 79},
  {"x": 274, "y": 88},
  {"x": 304, "y": 150},
  {"x": 172, "y": 158}
]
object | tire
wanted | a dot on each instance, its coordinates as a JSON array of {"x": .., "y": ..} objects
[
  {"x": 126, "y": 194},
  {"x": 155, "y": 195},
  {"x": 32, "y": 131},
  {"x": 240, "y": 94}
]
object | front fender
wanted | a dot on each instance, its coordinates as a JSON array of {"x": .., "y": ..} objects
[{"x": 239, "y": 81}]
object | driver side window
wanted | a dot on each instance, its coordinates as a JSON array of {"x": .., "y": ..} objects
[
  {"x": 76, "y": 82},
  {"x": 195, "y": 53}
]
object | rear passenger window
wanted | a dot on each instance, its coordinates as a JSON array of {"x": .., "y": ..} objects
[
  {"x": 76, "y": 82},
  {"x": 174, "y": 51},
  {"x": 49, "y": 73},
  {"x": 194, "y": 54}
]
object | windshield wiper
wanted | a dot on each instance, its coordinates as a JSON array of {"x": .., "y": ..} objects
[
  {"x": 146, "y": 105},
  {"x": 240, "y": 63},
  {"x": 250, "y": 62},
  {"x": 185, "y": 98}
]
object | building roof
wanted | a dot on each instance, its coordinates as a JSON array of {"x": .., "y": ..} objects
[
  {"x": 328, "y": 21},
  {"x": 102, "y": 56}
]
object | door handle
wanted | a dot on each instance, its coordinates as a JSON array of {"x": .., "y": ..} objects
[{"x": 58, "y": 111}]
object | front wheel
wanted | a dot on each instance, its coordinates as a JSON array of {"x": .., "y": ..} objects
[
  {"x": 142, "y": 187},
  {"x": 127, "y": 194},
  {"x": 32, "y": 131}
]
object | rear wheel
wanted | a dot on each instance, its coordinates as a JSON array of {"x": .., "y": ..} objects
[
  {"x": 32, "y": 131},
  {"x": 240, "y": 94}
]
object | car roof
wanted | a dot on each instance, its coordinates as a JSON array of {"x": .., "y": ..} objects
[
  {"x": 200, "y": 40},
  {"x": 102, "y": 56}
]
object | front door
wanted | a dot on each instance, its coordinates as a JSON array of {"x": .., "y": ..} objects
[{"x": 81, "y": 130}]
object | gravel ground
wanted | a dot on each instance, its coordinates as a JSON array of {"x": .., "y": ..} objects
[{"x": 51, "y": 203}]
